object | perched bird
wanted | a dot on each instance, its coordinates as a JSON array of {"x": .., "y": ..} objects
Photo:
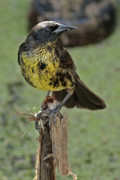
[{"x": 47, "y": 65}]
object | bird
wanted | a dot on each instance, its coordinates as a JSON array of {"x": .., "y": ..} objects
[{"x": 48, "y": 66}]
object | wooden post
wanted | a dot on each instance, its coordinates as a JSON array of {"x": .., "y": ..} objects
[
  {"x": 53, "y": 140},
  {"x": 45, "y": 169}
]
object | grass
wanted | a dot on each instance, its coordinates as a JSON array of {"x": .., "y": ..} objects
[{"x": 94, "y": 148}]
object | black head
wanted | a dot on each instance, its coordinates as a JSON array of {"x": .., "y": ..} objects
[{"x": 48, "y": 31}]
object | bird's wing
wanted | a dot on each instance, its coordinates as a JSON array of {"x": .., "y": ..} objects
[{"x": 65, "y": 58}]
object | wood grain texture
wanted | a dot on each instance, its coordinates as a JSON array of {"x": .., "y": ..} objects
[{"x": 53, "y": 145}]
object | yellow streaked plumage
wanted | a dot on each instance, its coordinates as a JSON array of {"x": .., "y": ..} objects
[{"x": 43, "y": 77}]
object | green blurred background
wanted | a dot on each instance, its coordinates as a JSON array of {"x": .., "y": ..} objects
[{"x": 94, "y": 137}]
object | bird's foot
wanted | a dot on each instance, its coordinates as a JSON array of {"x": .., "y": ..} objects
[
  {"x": 47, "y": 113},
  {"x": 54, "y": 114}
]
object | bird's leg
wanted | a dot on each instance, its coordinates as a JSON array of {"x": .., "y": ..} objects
[
  {"x": 70, "y": 92},
  {"x": 55, "y": 111}
]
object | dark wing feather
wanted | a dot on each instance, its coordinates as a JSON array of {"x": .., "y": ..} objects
[{"x": 65, "y": 58}]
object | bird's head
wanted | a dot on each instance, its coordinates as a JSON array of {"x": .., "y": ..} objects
[{"x": 48, "y": 31}]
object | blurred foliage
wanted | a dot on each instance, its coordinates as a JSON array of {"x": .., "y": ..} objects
[{"x": 94, "y": 148}]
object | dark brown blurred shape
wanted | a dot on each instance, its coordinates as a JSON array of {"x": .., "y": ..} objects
[{"x": 95, "y": 19}]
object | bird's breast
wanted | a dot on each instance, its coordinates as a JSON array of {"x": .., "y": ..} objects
[{"x": 41, "y": 69}]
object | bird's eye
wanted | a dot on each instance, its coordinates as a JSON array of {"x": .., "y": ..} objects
[{"x": 47, "y": 29}]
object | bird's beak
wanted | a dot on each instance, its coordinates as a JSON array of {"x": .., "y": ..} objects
[{"x": 62, "y": 28}]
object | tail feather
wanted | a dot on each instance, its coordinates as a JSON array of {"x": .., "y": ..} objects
[
  {"x": 81, "y": 98},
  {"x": 86, "y": 98}
]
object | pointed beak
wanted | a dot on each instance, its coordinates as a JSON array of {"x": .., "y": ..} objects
[{"x": 62, "y": 28}]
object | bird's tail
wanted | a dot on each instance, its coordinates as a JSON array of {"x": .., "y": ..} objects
[{"x": 82, "y": 97}]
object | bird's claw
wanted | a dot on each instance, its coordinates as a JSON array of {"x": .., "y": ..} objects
[
  {"x": 51, "y": 114},
  {"x": 54, "y": 113}
]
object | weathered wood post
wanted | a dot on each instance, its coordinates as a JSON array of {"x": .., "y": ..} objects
[
  {"x": 52, "y": 150},
  {"x": 53, "y": 140}
]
